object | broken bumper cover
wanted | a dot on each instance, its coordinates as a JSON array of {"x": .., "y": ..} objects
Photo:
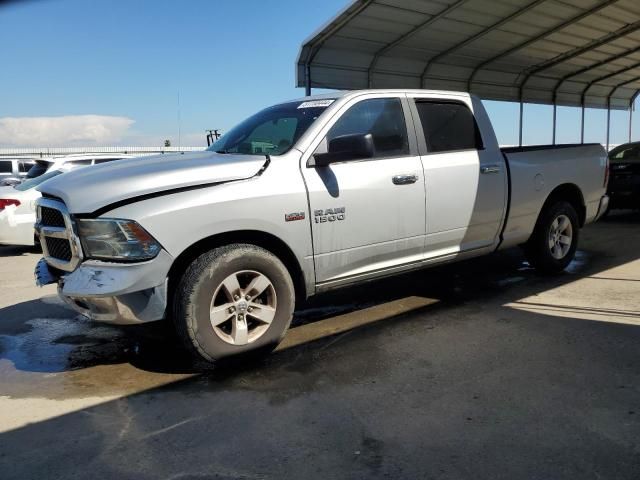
[{"x": 113, "y": 292}]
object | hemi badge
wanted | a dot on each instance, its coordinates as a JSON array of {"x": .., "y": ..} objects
[{"x": 292, "y": 217}]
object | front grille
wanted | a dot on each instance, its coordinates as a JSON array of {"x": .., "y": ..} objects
[
  {"x": 60, "y": 244},
  {"x": 51, "y": 217},
  {"x": 59, "y": 248}
]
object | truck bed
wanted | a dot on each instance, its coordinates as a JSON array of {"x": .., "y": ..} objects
[
  {"x": 536, "y": 170},
  {"x": 533, "y": 148}
]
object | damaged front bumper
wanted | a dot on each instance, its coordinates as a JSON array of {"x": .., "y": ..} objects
[{"x": 113, "y": 292}]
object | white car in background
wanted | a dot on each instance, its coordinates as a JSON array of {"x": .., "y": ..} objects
[
  {"x": 43, "y": 165},
  {"x": 14, "y": 169},
  {"x": 18, "y": 208},
  {"x": 17, "y": 203}
]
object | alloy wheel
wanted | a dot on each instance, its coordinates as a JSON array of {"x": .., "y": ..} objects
[{"x": 243, "y": 307}]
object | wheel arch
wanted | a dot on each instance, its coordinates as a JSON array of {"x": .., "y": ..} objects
[
  {"x": 258, "y": 238},
  {"x": 571, "y": 193}
]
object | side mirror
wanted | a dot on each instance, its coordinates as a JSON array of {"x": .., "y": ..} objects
[{"x": 346, "y": 147}]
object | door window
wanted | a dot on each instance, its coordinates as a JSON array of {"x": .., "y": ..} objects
[
  {"x": 6, "y": 167},
  {"x": 448, "y": 126},
  {"x": 383, "y": 118},
  {"x": 24, "y": 166}
]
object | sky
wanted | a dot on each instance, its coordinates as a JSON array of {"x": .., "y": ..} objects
[{"x": 137, "y": 72}]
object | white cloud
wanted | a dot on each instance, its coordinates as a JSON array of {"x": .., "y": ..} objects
[{"x": 64, "y": 131}]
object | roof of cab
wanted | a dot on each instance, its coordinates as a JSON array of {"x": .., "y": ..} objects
[{"x": 353, "y": 93}]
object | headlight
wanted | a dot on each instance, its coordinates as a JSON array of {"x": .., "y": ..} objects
[{"x": 113, "y": 239}]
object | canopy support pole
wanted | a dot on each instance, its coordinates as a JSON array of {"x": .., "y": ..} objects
[
  {"x": 582, "y": 123},
  {"x": 632, "y": 107},
  {"x": 520, "y": 124},
  {"x": 608, "y": 121},
  {"x": 582, "y": 106},
  {"x": 307, "y": 80},
  {"x": 555, "y": 115}
]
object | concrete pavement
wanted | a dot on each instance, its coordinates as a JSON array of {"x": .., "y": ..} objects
[{"x": 475, "y": 370}]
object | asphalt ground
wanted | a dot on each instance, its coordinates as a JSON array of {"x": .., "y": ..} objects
[{"x": 480, "y": 369}]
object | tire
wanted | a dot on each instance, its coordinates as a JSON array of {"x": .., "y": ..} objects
[
  {"x": 205, "y": 294},
  {"x": 548, "y": 250}
]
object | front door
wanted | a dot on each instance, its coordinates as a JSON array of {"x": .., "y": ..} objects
[{"x": 368, "y": 215}]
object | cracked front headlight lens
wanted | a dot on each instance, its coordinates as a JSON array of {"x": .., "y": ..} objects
[{"x": 116, "y": 240}]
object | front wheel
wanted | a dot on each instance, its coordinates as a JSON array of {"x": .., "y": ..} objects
[
  {"x": 554, "y": 241},
  {"x": 233, "y": 300}
]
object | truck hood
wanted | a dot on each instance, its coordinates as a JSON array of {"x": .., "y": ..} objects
[{"x": 89, "y": 189}]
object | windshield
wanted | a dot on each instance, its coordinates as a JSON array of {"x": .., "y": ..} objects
[
  {"x": 625, "y": 154},
  {"x": 273, "y": 130},
  {"x": 38, "y": 169},
  {"x": 34, "y": 182}
]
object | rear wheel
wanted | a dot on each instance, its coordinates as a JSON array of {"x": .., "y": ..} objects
[
  {"x": 234, "y": 300},
  {"x": 555, "y": 238}
]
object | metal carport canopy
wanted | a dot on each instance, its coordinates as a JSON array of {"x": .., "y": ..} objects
[{"x": 566, "y": 52}]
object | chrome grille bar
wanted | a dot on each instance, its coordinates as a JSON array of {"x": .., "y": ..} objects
[{"x": 68, "y": 233}]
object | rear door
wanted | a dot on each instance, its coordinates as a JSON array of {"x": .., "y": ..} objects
[
  {"x": 466, "y": 183},
  {"x": 368, "y": 215}
]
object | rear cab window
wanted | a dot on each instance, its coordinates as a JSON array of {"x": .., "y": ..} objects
[{"x": 448, "y": 126}]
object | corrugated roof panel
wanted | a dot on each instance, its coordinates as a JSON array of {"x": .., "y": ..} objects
[
  {"x": 374, "y": 25},
  {"x": 396, "y": 15},
  {"x": 396, "y": 64},
  {"x": 623, "y": 10},
  {"x": 528, "y": 47},
  {"x": 352, "y": 45},
  {"x": 353, "y": 31},
  {"x": 418, "y": 6}
]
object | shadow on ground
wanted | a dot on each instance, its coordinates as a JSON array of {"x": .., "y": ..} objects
[
  {"x": 15, "y": 251},
  {"x": 46, "y": 336},
  {"x": 467, "y": 388}
]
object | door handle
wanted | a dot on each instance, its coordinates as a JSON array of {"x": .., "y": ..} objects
[
  {"x": 490, "y": 169},
  {"x": 404, "y": 179}
]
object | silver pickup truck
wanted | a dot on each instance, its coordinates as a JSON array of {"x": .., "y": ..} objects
[{"x": 303, "y": 197}]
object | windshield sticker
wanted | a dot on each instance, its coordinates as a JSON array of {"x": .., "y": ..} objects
[{"x": 316, "y": 103}]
